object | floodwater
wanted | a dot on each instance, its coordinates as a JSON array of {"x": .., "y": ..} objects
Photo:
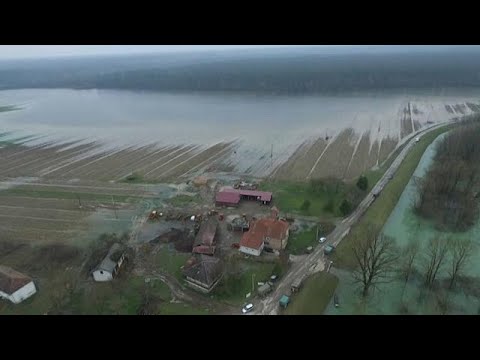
[
  {"x": 257, "y": 121},
  {"x": 404, "y": 225}
]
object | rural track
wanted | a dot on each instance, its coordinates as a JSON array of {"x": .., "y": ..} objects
[{"x": 315, "y": 261}]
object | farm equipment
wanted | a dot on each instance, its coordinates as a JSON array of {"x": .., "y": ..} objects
[{"x": 154, "y": 215}]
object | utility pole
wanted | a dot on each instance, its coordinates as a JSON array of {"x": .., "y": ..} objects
[
  {"x": 114, "y": 209},
  {"x": 271, "y": 156}
]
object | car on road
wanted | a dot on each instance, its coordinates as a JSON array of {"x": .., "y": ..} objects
[
  {"x": 322, "y": 240},
  {"x": 273, "y": 278},
  {"x": 247, "y": 308}
]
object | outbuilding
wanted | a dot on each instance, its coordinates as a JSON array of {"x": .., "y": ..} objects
[
  {"x": 205, "y": 274},
  {"x": 15, "y": 286},
  {"x": 111, "y": 264}
]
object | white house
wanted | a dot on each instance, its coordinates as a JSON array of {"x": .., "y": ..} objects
[
  {"x": 15, "y": 286},
  {"x": 111, "y": 264}
]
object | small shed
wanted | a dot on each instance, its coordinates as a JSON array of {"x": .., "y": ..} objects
[
  {"x": 284, "y": 301},
  {"x": 15, "y": 286},
  {"x": 111, "y": 264}
]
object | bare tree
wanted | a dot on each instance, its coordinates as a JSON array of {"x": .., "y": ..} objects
[
  {"x": 435, "y": 255},
  {"x": 375, "y": 255},
  {"x": 407, "y": 261},
  {"x": 461, "y": 251}
]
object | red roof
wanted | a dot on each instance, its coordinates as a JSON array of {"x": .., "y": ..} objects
[
  {"x": 233, "y": 195},
  {"x": 11, "y": 280},
  {"x": 261, "y": 229},
  {"x": 227, "y": 197},
  {"x": 203, "y": 249}
]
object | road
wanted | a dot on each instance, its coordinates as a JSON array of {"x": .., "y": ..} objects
[{"x": 315, "y": 262}]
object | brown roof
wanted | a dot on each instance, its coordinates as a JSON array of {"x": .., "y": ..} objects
[
  {"x": 11, "y": 280},
  {"x": 207, "y": 271},
  {"x": 206, "y": 233},
  {"x": 262, "y": 229}
]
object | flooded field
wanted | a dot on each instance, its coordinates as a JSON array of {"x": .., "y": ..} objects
[
  {"x": 396, "y": 297},
  {"x": 108, "y": 135}
]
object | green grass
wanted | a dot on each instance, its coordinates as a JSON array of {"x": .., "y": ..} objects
[
  {"x": 233, "y": 287},
  {"x": 381, "y": 209},
  {"x": 289, "y": 196},
  {"x": 49, "y": 194},
  {"x": 183, "y": 200},
  {"x": 171, "y": 261},
  {"x": 298, "y": 242},
  {"x": 303, "y": 238},
  {"x": 315, "y": 295}
]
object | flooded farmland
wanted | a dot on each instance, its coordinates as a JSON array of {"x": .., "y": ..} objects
[{"x": 107, "y": 135}]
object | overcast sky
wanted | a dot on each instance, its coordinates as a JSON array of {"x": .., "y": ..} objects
[{"x": 39, "y": 51}]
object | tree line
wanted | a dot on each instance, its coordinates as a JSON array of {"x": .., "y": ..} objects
[
  {"x": 379, "y": 260},
  {"x": 449, "y": 192}
]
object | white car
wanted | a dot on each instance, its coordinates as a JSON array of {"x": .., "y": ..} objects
[
  {"x": 322, "y": 240},
  {"x": 247, "y": 308}
]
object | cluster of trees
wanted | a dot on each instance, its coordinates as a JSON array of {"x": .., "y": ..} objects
[
  {"x": 379, "y": 260},
  {"x": 292, "y": 72},
  {"x": 448, "y": 194}
]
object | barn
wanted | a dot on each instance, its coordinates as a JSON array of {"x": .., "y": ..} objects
[
  {"x": 110, "y": 265},
  {"x": 15, "y": 286},
  {"x": 232, "y": 197}
]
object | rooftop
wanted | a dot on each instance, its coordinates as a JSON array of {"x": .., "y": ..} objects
[
  {"x": 262, "y": 229},
  {"x": 12, "y": 280},
  {"x": 110, "y": 261},
  {"x": 207, "y": 271},
  {"x": 263, "y": 195}
]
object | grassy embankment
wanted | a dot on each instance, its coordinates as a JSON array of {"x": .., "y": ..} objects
[
  {"x": 380, "y": 210},
  {"x": 317, "y": 291}
]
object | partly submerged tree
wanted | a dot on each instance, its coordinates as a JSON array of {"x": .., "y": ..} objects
[
  {"x": 407, "y": 261},
  {"x": 375, "y": 255},
  {"x": 461, "y": 251},
  {"x": 434, "y": 258}
]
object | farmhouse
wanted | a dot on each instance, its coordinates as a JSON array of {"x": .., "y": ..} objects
[
  {"x": 205, "y": 274},
  {"x": 270, "y": 232},
  {"x": 232, "y": 197},
  {"x": 15, "y": 286},
  {"x": 111, "y": 264},
  {"x": 205, "y": 240}
]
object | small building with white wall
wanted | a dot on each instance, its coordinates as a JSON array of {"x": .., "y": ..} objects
[
  {"x": 15, "y": 286},
  {"x": 111, "y": 264}
]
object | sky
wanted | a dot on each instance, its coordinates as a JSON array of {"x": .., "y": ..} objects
[
  {"x": 42, "y": 51},
  {"x": 8, "y": 52}
]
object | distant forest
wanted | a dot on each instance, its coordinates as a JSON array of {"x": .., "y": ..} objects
[{"x": 296, "y": 72}]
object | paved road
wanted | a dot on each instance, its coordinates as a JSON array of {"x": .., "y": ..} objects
[{"x": 315, "y": 261}]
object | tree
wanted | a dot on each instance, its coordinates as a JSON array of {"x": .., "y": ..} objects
[
  {"x": 345, "y": 207},
  {"x": 434, "y": 258},
  {"x": 362, "y": 183},
  {"x": 375, "y": 255},
  {"x": 461, "y": 251},
  {"x": 306, "y": 205},
  {"x": 407, "y": 262}
]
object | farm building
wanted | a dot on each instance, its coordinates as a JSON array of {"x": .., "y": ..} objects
[
  {"x": 205, "y": 240},
  {"x": 232, "y": 197},
  {"x": 15, "y": 286},
  {"x": 111, "y": 264},
  {"x": 205, "y": 274},
  {"x": 268, "y": 231}
]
